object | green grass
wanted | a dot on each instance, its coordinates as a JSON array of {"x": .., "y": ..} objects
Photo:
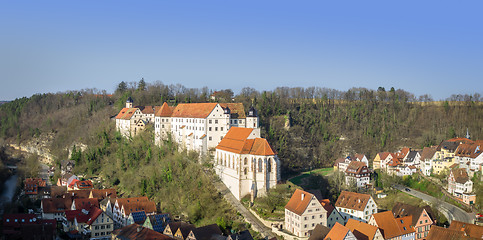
[
  {"x": 321, "y": 171},
  {"x": 388, "y": 202}
]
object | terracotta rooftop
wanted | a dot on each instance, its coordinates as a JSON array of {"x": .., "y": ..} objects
[
  {"x": 83, "y": 193},
  {"x": 404, "y": 224},
  {"x": 237, "y": 110},
  {"x": 193, "y": 110},
  {"x": 337, "y": 232},
  {"x": 356, "y": 167},
  {"x": 56, "y": 205},
  {"x": 387, "y": 224},
  {"x": 148, "y": 207},
  {"x": 440, "y": 233},
  {"x": 352, "y": 200},
  {"x": 460, "y": 175},
  {"x": 138, "y": 232},
  {"x": 85, "y": 203},
  {"x": 126, "y": 113},
  {"x": 237, "y": 140},
  {"x": 402, "y": 210},
  {"x": 470, "y": 150},
  {"x": 428, "y": 153},
  {"x": 362, "y": 231},
  {"x": 471, "y": 230},
  {"x": 327, "y": 206},
  {"x": 103, "y": 193},
  {"x": 299, "y": 201},
  {"x": 164, "y": 111}
]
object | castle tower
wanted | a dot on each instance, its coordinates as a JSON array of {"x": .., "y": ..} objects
[
  {"x": 252, "y": 118},
  {"x": 129, "y": 102}
]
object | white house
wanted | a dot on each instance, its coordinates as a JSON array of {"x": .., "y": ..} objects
[
  {"x": 460, "y": 185},
  {"x": 246, "y": 163},
  {"x": 303, "y": 212},
  {"x": 357, "y": 206},
  {"x": 357, "y": 173},
  {"x": 124, "y": 206},
  {"x": 468, "y": 156},
  {"x": 426, "y": 165}
]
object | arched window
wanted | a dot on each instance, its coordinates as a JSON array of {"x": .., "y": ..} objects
[
  {"x": 269, "y": 165},
  {"x": 260, "y": 165}
]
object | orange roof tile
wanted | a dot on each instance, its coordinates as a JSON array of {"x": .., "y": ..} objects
[
  {"x": 337, "y": 232},
  {"x": 298, "y": 205},
  {"x": 85, "y": 203},
  {"x": 460, "y": 175},
  {"x": 327, "y": 206},
  {"x": 164, "y": 111},
  {"x": 352, "y": 200},
  {"x": 388, "y": 224},
  {"x": 471, "y": 150},
  {"x": 193, "y": 110},
  {"x": 237, "y": 110},
  {"x": 126, "y": 113},
  {"x": 404, "y": 224},
  {"x": 471, "y": 230},
  {"x": 236, "y": 141},
  {"x": 356, "y": 167},
  {"x": 361, "y": 230}
]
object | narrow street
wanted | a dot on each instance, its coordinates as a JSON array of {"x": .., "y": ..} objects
[
  {"x": 450, "y": 211},
  {"x": 256, "y": 224}
]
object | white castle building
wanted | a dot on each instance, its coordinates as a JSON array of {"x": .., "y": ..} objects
[{"x": 246, "y": 163}]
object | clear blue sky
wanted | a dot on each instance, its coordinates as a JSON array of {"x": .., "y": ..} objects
[{"x": 433, "y": 47}]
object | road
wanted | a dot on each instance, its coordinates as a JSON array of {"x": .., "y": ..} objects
[
  {"x": 450, "y": 211},
  {"x": 256, "y": 224}
]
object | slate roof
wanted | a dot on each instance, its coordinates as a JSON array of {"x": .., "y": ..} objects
[
  {"x": 135, "y": 231},
  {"x": 206, "y": 232},
  {"x": 411, "y": 156},
  {"x": 237, "y": 140},
  {"x": 352, "y": 200},
  {"x": 460, "y": 175},
  {"x": 139, "y": 217},
  {"x": 362, "y": 231},
  {"x": 159, "y": 221},
  {"x": 243, "y": 235},
  {"x": 298, "y": 205}
]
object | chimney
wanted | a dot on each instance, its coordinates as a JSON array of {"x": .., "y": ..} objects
[{"x": 303, "y": 196}]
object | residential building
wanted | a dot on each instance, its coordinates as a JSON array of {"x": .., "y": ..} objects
[
  {"x": 468, "y": 156},
  {"x": 243, "y": 235},
  {"x": 302, "y": 212},
  {"x": 391, "y": 227},
  {"x": 470, "y": 230},
  {"x": 138, "y": 232},
  {"x": 357, "y": 173},
  {"x": 413, "y": 158},
  {"x": 319, "y": 233},
  {"x": 35, "y": 187},
  {"x": 92, "y": 223},
  {"x": 204, "y": 233},
  {"x": 54, "y": 208},
  {"x": 84, "y": 203},
  {"x": 363, "y": 230},
  {"x": 81, "y": 185},
  {"x": 441, "y": 233},
  {"x": 246, "y": 163},
  {"x": 422, "y": 218},
  {"x": 357, "y": 206},
  {"x": 101, "y": 194},
  {"x": 136, "y": 217},
  {"x": 461, "y": 186},
  {"x": 339, "y": 232},
  {"x": 124, "y": 206},
  {"x": 445, "y": 154},
  {"x": 343, "y": 163},
  {"x": 157, "y": 222},
  {"x": 66, "y": 179},
  {"x": 333, "y": 215},
  {"x": 426, "y": 165},
  {"x": 381, "y": 160},
  {"x": 27, "y": 226}
]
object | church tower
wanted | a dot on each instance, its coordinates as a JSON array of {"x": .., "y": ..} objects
[
  {"x": 129, "y": 102},
  {"x": 252, "y": 118}
]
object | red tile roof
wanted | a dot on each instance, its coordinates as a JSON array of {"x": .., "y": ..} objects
[
  {"x": 471, "y": 150},
  {"x": 298, "y": 205},
  {"x": 337, "y": 232},
  {"x": 388, "y": 224},
  {"x": 126, "y": 113},
  {"x": 56, "y": 205},
  {"x": 164, "y": 111},
  {"x": 356, "y": 167},
  {"x": 193, "y": 110},
  {"x": 236, "y": 141},
  {"x": 470, "y": 230},
  {"x": 361, "y": 230},
  {"x": 87, "y": 184},
  {"x": 87, "y": 216},
  {"x": 460, "y": 175},
  {"x": 352, "y": 200},
  {"x": 440, "y": 233},
  {"x": 327, "y": 206},
  {"x": 237, "y": 110},
  {"x": 85, "y": 203},
  {"x": 103, "y": 193}
]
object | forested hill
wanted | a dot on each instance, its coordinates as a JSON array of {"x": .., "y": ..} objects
[{"x": 309, "y": 127}]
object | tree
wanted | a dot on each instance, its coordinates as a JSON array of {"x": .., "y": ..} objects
[
  {"x": 122, "y": 87},
  {"x": 141, "y": 85}
]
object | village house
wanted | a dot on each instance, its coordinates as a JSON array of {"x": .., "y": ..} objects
[
  {"x": 92, "y": 223},
  {"x": 302, "y": 212},
  {"x": 136, "y": 217},
  {"x": 138, "y": 232},
  {"x": 381, "y": 160},
  {"x": 413, "y": 158},
  {"x": 124, "y": 206},
  {"x": 130, "y": 121},
  {"x": 357, "y": 206},
  {"x": 363, "y": 230},
  {"x": 460, "y": 185},
  {"x": 101, "y": 194},
  {"x": 422, "y": 218},
  {"x": 54, "y": 208},
  {"x": 469, "y": 157},
  {"x": 319, "y": 232},
  {"x": 35, "y": 187},
  {"x": 457, "y": 230},
  {"x": 66, "y": 179},
  {"x": 204, "y": 233},
  {"x": 445, "y": 154},
  {"x": 391, "y": 227},
  {"x": 339, "y": 232},
  {"x": 157, "y": 222},
  {"x": 178, "y": 230},
  {"x": 357, "y": 174},
  {"x": 341, "y": 164},
  {"x": 84, "y": 203},
  {"x": 333, "y": 215},
  {"x": 426, "y": 165},
  {"x": 246, "y": 163}
]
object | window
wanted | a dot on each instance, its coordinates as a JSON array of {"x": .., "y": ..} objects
[
  {"x": 216, "y": 128},
  {"x": 216, "y": 121},
  {"x": 209, "y": 121},
  {"x": 209, "y": 129},
  {"x": 313, "y": 217},
  {"x": 305, "y": 226},
  {"x": 321, "y": 217},
  {"x": 209, "y": 138},
  {"x": 221, "y": 129},
  {"x": 305, "y": 218}
]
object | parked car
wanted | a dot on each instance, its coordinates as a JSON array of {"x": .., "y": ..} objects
[{"x": 407, "y": 190}]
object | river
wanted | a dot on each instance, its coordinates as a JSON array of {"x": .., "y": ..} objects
[{"x": 8, "y": 191}]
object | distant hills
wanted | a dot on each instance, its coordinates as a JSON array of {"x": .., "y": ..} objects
[{"x": 3, "y": 102}]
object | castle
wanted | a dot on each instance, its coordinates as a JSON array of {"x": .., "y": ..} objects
[{"x": 246, "y": 163}]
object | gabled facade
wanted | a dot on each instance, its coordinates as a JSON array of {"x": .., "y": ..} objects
[
  {"x": 422, "y": 218},
  {"x": 92, "y": 223},
  {"x": 303, "y": 212},
  {"x": 124, "y": 206},
  {"x": 54, "y": 208},
  {"x": 357, "y": 173},
  {"x": 426, "y": 164},
  {"x": 357, "y": 206},
  {"x": 157, "y": 222},
  {"x": 391, "y": 227},
  {"x": 469, "y": 156},
  {"x": 363, "y": 230},
  {"x": 246, "y": 163},
  {"x": 460, "y": 185},
  {"x": 204, "y": 233},
  {"x": 339, "y": 232},
  {"x": 333, "y": 215}
]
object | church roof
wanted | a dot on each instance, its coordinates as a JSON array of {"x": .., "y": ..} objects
[{"x": 236, "y": 141}]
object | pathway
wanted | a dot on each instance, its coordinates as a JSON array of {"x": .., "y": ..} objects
[
  {"x": 450, "y": 211},
  {"x": 256, "y": 224}
]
